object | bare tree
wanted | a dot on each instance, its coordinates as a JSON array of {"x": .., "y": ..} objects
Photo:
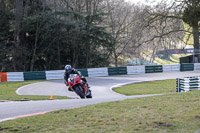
[
  {"x": 118, "y": 22},
  {"x": 161, "y": 28},
  {"x": 165, "y": 23}
]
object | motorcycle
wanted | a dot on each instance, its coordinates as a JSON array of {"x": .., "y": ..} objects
[{"x": 79, "y": 86}]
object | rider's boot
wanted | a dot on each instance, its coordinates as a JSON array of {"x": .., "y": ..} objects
[
  {"x": 70, "y": 89},
  {"x": 88, "y": 87}
]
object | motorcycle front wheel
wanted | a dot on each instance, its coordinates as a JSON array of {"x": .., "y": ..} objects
[{"x": 79, "y": 91}]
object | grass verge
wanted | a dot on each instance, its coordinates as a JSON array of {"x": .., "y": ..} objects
[
  {"x": 155, "y": 87},
  {"x": 173, "y": 113},
  {"x": 8, "y": 92}
]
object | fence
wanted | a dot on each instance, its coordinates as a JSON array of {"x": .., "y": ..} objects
[
  {"x": 15, "y": 76},
  {"x": 171, "y": 68},
  {"x": 153, "y": 69},
  {"x": 36, "y": 75},
  {"x": 187, "y": 84},
  {"x": 92, "y": 72},
  {"x": 196, "y": 66},
  {"x": 117, "y": 71},
  {"x": 187, "y": 67},
  {"x": 135, "y": 69},
  {"x": 56, "y": 74}
]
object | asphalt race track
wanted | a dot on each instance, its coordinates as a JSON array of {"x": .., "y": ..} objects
[{"x": 101, "y": 90}]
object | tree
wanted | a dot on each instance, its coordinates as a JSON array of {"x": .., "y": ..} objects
[
  {"x": 91, "y": 30},
  {"x": 167, "y": 22},
  {"x": 5, "y": 37},
  {"x": 18, "y": 37},
  {"x": 118, "y": 22},
  {"x": 191, "y": 16},
  {"x": 162, "y": 28}
]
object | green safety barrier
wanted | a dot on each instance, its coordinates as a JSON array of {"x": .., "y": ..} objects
[
  {"x": 84, "y": 72},
  {"x": 187, "y": 84},
  {"x": 117, "y": 70},
  {"x": 187, "y": 67},
  {"x": 153, "y": 69},
  {"x": 36, "y": 75},
  {"x": 41, "y": 75}
]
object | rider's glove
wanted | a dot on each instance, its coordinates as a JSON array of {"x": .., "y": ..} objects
[{"x": 66, "y": 83}]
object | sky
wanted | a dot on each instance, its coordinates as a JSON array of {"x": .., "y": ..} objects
[
  {"x": 145, "y": 1},
  {"x": 136, "y": 1}
]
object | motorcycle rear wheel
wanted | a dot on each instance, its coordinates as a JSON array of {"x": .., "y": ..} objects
[{"x": 79, "y": 91}]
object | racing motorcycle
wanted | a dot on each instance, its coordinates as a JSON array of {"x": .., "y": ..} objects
[{"x": 79, "y": 86}]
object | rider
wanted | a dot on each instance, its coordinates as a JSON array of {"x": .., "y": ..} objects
[{"x": 69, "y": 70}]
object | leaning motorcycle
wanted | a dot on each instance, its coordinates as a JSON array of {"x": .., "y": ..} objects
[{"x": 79, "y": 86}]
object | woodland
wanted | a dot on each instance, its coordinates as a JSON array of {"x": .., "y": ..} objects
[{"x": 37, "y": 35}]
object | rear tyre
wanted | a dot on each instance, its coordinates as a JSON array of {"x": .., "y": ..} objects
[{"x": 79, "y": 91}]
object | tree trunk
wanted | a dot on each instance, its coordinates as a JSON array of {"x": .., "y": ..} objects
[
  {"x": 138, "y": 56},
  {"x": 87, "y": 54},
  {"x": 17, "y": 51},
  {"x": 89, "y": 12},
  {"x": 75, "y": 57},
  {"x": 34, "y": 48},
  {"x": 26, "y": 8},
  {"x": 152, "y": 58},
  {"x": 196, "y": 42},
  {"x": 116, "y": 59},
  {"x": 58, "y": 50}
]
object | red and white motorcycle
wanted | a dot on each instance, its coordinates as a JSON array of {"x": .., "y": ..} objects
[{"x": 79, "y": 86}]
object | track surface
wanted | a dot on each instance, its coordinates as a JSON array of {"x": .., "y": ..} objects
[{"x": 101, "y": 90}]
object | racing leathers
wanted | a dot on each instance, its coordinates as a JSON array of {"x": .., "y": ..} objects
[{"x": 73, "y": 71}]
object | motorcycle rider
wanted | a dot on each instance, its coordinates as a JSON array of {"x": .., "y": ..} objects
[{"x": 69, "y": 70}]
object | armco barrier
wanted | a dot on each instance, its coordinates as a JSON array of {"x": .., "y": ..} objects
[
  {"x": 135, "y": 69},
  {"x": 187, "y": 67},
  {"x": 55, "y": 74},
  {"x": 153, "y": 69},
  {"x": 117, "y": 70},
  {"x": 84, "y": 72},
  {"x": 3, "y": 76},
  {"x": 94, "y": 72},
  {"x": 171, "y": 68},
  {"x": 15, "y": 76},
  {"x": 187, "y": 84},
  {"x": 196, "y": 66},
  {"x": 36, "y": 75}
]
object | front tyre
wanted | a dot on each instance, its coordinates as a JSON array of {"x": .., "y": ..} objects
[{"x": 79, "y": 91}]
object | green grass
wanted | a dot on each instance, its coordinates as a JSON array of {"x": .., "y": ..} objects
[
  {"x": 173, "y": 113},
  {"x": 8, "y": 92},
  {"x": 155, "y": 87},
  {"x": 174, "y": 59}
]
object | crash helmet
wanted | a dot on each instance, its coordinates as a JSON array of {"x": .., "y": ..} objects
[{"x": 68, "y": 68}]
